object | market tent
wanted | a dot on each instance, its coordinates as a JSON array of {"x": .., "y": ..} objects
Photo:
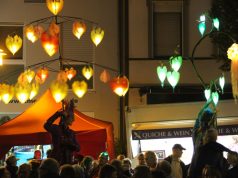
[{"x": 93, "y": 135}]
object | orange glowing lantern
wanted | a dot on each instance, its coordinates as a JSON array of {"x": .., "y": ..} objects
[
  {"x": 105, "y": 76},
  {"x": 33, "y": 33},
  {"x": 30, "y": 74},
  {"x": 58, "y": 90},
  {"x": 34, "y": 90},
  {"x": 13, "y": 43},
  {"x": 22, "y": 92},
  {"x": 62, "y": 76},
  {"x": 87, "y": 72},
  {"x": 70, "y": 73},
  {"x": 79, "y": 28},
  {"x": 7, "y": 93},
  {"x": 55, "y": 6},
  {"x": 22, "y": 78},
  {"x": 119, "y": 85},
  {"x": 97, "y": 35},
  {"x": 41, "y": 75},
  {"x": 50, "y": 43},
  {"x": 79, "y": 88}
]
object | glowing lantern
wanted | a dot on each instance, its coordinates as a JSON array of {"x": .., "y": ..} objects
[
  {"x": 34, "y": 90},
  {"x": 33, "y": 33},
  {"x": 232, "y": 54},
  {"x": 58, "y": 90},
  {"x": 216, "y": 23},
  {"x": 22, "y": 92},
  {"x": 55, "y": 6},
  {"x": 70, "y": 73},
  {"x": 173, "y": 78},
  {"x": 162, "y": 72},
  {"x": 41, "y": 75},
  {"x": 79, "y": 88},
  {"x": 222, "y": 82},
  {"x": 105, "y": 76},
  {"x": 119, "y": 85},
  {"x": 1, "y": 54},
  {"x": 202, "y": 18},
  {"x": 79, "y": 28},
  {"x": 30, "y": 74},
  {"x": 87, "y": 72},
  {"x": 202, "y": 27},
  {"x": 207, "y": 93},
  {"x": 62, "y": 76},
  {"x": 215, "y": 97},
  {"x": 176, "y": 62},
  {"x": 22, "y": 78},
  {"x": 7, "y": 93},
  {"x": 50, "y": 43},
  {"x": 13, "y": 43},
  {"x": 97, "y": 35}
]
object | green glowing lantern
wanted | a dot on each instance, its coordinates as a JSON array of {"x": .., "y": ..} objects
[
  {"x": 162, "y": 71},
  {"x": 176, "y": 62},
  {"x": 222, "y": 82},
  {"x": 173, "y": 78},
  {"x": 207, "y": 93},
  {"x": 202, "y": 27},
  {"x": 216, "y": 23},
  {"x": 215, "y": 97}
]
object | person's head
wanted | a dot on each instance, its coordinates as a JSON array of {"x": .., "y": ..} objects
[
  {"x": 165, "y": 167},
  {"x": 68, "y": 113},
  {"x": 210, "y": 135},
  {"x": 11, "y": 161},
  {"x": 87, "y": 162},
  {"x": 103, "y": 158},
  {"x": 37, "y": 154},
  {"x": 48, "y": 153},
  {"x": 177, "y": 150},
  {"x": 48, "y": 166},
  {"x": 141, "y": 159},
  {"x": 126, "y": 164},
  {"x": 142, "y": 171},
  {"x": 232, "y": 158},
  {"x": 67, "y": 171},
  {"x": 151, "y": 159},
  {"x": 121, "y": 157},
  {"x": 24, "y": 170},
  {"x": 4, "y": 173},
  {"x": 211, "y": 172},
  {"x": 108, "y": 171}
]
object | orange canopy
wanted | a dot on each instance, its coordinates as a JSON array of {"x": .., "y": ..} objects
[{"x": 93, "y": 135}]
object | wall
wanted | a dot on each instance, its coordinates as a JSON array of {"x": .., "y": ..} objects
[{"x": 101, "y": 101}]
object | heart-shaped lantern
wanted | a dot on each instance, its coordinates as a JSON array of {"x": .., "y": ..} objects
[
  {"x": 41, "y": 75},
  {"x": 161, "y": 72},
  {"x": 70, "y": 73},
  {"x": 58, "y": 90},
  {"x": 7, "y": 93},
  {"x": 50, "y": 43},
  {"x": 207, "y": 93},
  {"x": 119, "y": 85},
  {"x": 13, "y": 43},
  {"x": 79, "y": 88},
  {"x": 97, "y": 35},
  {"x": 222, "y": 82},
  {"x": 87, "y": 72},
  {"x": 34, "y": 90},
  {"x": 55, "y": 6},
  {"x": 105, "y": 76},
  {"x": 79, "y": 28},
  {"x": 215, "y": 97},
  {"x": 176, "y": 62},
  {"x": 22, "y": 92},
  {"x": 33, "y": 33},
  {"x": 173, "y": 78}
]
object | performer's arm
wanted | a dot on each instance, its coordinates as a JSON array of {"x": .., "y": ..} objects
[{"x": 49, "y": 123}]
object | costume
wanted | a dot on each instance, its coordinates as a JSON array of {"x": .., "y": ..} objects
[{"x": 63, "y": 139}]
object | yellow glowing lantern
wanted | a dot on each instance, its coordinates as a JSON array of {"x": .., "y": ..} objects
[
  {"x": 79, "y": 28},
  {"x": 34, "y": 90},
  {"x": 105, "y": 76},
  {"x": 33, "y": 33},
  {"x": 13, "y": 43},
  {"x": 232, "y": 54},
  {"x": 79, "y": 88},
  {"x": 41, "y": 75},
  {"x": 30, "y": 74},
  {"x": 120, "y": 85},
  {"x": 70, "y": 73},
  {"x": 97, "y": 35},
  {"x": 58, "y": 90},
  {"x": 1, "y": 54},
  {"x": 87, "y": 72},
  {"x": 55, "y": 6},
  {"x": 22, "y": 92},
  {"x": 7, "y": 93},
  {"x": 22, "y": 78}
]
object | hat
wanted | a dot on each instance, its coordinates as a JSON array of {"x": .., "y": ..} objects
[
  {"x": 11, "y": 160},
  {"x": 178, "y": 146}
]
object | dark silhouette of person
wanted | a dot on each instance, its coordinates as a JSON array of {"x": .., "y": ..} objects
[{"x": 63, "y": 138}]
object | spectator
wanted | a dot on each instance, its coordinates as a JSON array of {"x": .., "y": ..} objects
[
  {"x": 87, "y": 165},
  {"x": 142, "y": 171},
  {"x": 210, "y": 172},
  {"x": 177, "y": 166},
  {"x": 151, "y": 159},
  {"x": 49, "y": 168},
  {"x": 121, "y": 157},
  {"x": 103, "y": 159},
  {"x": 165, "y": 167},
  {"x": 108, "y": 171},
  {"x": 4, "y": 173},
  {"x": 232, "y": 159},
  {"x": 118, "y": 165},
  {"x": 11, "y": 165},
  {"x": 24, "y": 171},
  {"x": 127, "y": 167},
  {"x": 67, "y": 171},
  {"x": 35, "y": 164},
  {"x": 141, "y": 159}
]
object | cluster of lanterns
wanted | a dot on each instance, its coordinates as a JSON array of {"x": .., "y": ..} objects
[
  {"x": 29, "y": 82},
  {"x": 202, "y": 23},
  {"x": 50, "y": 37},
  {"x": 172, "y": 76}
]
